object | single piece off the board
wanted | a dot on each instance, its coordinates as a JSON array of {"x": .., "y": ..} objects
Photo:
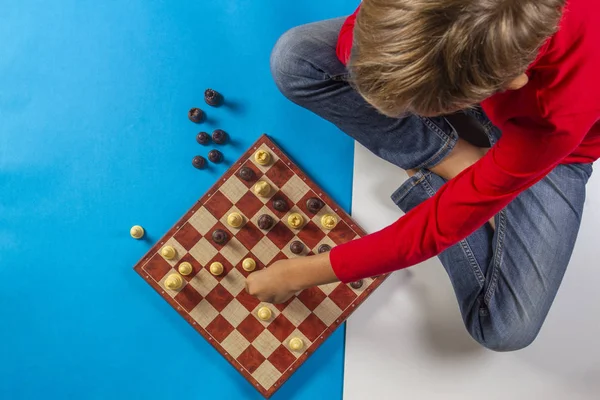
[
  {"x": 136, "y": 232},
  {"x": 264, "y": 313},
  {"x": 168, "y": 252},
  {"x": 235, "y": 220},
  {"x": 262, "y": 157},
  {"x": 185, "y": 268},
  {"x": 249, "y": 264},
  {"x": 174, "y": 282}
]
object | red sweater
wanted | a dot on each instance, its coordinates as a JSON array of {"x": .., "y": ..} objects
[{"x": 554, "y": 119}]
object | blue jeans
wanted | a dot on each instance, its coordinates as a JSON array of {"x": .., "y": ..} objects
[{"x": 505, "y": 280}]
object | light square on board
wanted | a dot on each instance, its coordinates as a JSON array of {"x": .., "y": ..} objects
[
  {"x": 203, "y": 251},
  {"x": 295, "y": 188},
  {"x": 202, "y": 220},
  {"x": 234, "y": 282},
  {"x": 266, "y": 343},
  {"x": 265, "y": 250},
  {"x": 266, "y": 374},
  {"x": 234, "y": 313},
  {"x": 233, "y": 189},
  {"x": 296, "y": 312},
  {"x": 327, "y": 311},
  {"x": 204, "y": 282},
  {"x": 235, "y": 344},
  {"x": 204, "y": 313},
  {"x": 234, "y": 251}
]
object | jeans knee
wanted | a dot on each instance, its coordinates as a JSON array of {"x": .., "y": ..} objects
[
  {"x": 289, "y": 61},
  {"x": 506, "y": 337}
]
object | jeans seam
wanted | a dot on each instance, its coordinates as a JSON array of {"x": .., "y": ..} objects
[
  {"x": 498, "y": 255},
  {"x": 466, "y": 248},
  {"x": 449, "y": 143}
]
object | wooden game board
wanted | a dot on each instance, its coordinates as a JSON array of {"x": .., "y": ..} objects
[{"x": 218, "y": 307}]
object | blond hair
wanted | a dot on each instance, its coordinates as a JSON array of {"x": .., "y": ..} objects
[{"x": 433, "y": 57}]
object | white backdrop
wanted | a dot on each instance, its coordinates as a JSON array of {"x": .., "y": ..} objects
[{"x": 408, "y": 340}]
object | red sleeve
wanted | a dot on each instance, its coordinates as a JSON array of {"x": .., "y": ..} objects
[
  {"x": 527, "y": 151},
  {"x": 344, "y": 44}
]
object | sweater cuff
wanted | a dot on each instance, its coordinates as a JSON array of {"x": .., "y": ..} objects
[{"x": 341, "y": 264}]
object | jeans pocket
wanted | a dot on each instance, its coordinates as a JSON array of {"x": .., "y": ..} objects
[{"x": 410, "y": 194}]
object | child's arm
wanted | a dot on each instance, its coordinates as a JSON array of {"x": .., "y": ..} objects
[
  {"x": 523, "y": 156},
  {"x": 283, "y": 279}
]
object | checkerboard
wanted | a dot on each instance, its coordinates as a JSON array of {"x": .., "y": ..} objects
[{"x": 218, "y": 307}]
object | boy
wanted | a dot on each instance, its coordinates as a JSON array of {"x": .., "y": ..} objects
[{"x": 400, "y": 66}]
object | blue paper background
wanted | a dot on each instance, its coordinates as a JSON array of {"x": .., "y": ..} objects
[{"x": 94, "y": 138}]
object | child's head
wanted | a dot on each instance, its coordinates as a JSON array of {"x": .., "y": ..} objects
[{"x": 433, "y": 57}]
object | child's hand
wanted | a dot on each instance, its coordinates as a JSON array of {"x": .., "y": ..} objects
[
  {"x": 274, "y": 284},
  {"x": 280, "y": 281}
]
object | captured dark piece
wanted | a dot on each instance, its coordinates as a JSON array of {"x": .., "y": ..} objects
[
  {"x": 314, "y": 205},
  {"x": 203, "y": 138},
  {"x": 219, "y": 136},
  {"x": 297, "y": 247},
  {"x": 265, "y": 221},
  {"x": 246, "y": 174},
  {"x": 212, "y": 97},
  {"x": 280, "y": 205},
  {"x": 356, "y": 285},
  {"x": 215, "y": 156},
  {"x": 324, "y": 248},
  {"x": 219, "y": 236},
  {"x": 196, "y": 115},
  {"x": 199, "y": 162}
]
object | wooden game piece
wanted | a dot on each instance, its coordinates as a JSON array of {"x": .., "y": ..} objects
[
  {"x": 249, "y": 265},
  {"x": 174, "y": 282},
  {"x": 314, "y": 205},
  {"x": 219, "y": 236},
  {"x": 216, "y": 268},
  {"x": 262, "y": 157},
  {"x": 264, "y": 313},
  {"x": 297, "y": 247},
  {"x": 235, "y": 220},
  {"x": 324, "y": 248},
  {"x": 185, "y": 268},
  {"x": 215, "y": 156},
  {"x": 296, "y": 220},
  {"x": 356, "y": 284},
  {"x": 219, "y": 136},
  {"x": 296, "y": 344},
  {"x": 280, "y": 205},
  {"x": 203, "y": 138},
  {"x": 246, "y": 174},
  {"x": 212, "y": 97},
  {"x": 196, "y": 115},
  {"x": 168, "y": 252},
  {"x": 265, "y": 222},
  {"x": 262, "y": 189},
  {"x": 136, "y": 232},
  {"x": 199, "y": 162},
  {"x": 328, "y": 221}
]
